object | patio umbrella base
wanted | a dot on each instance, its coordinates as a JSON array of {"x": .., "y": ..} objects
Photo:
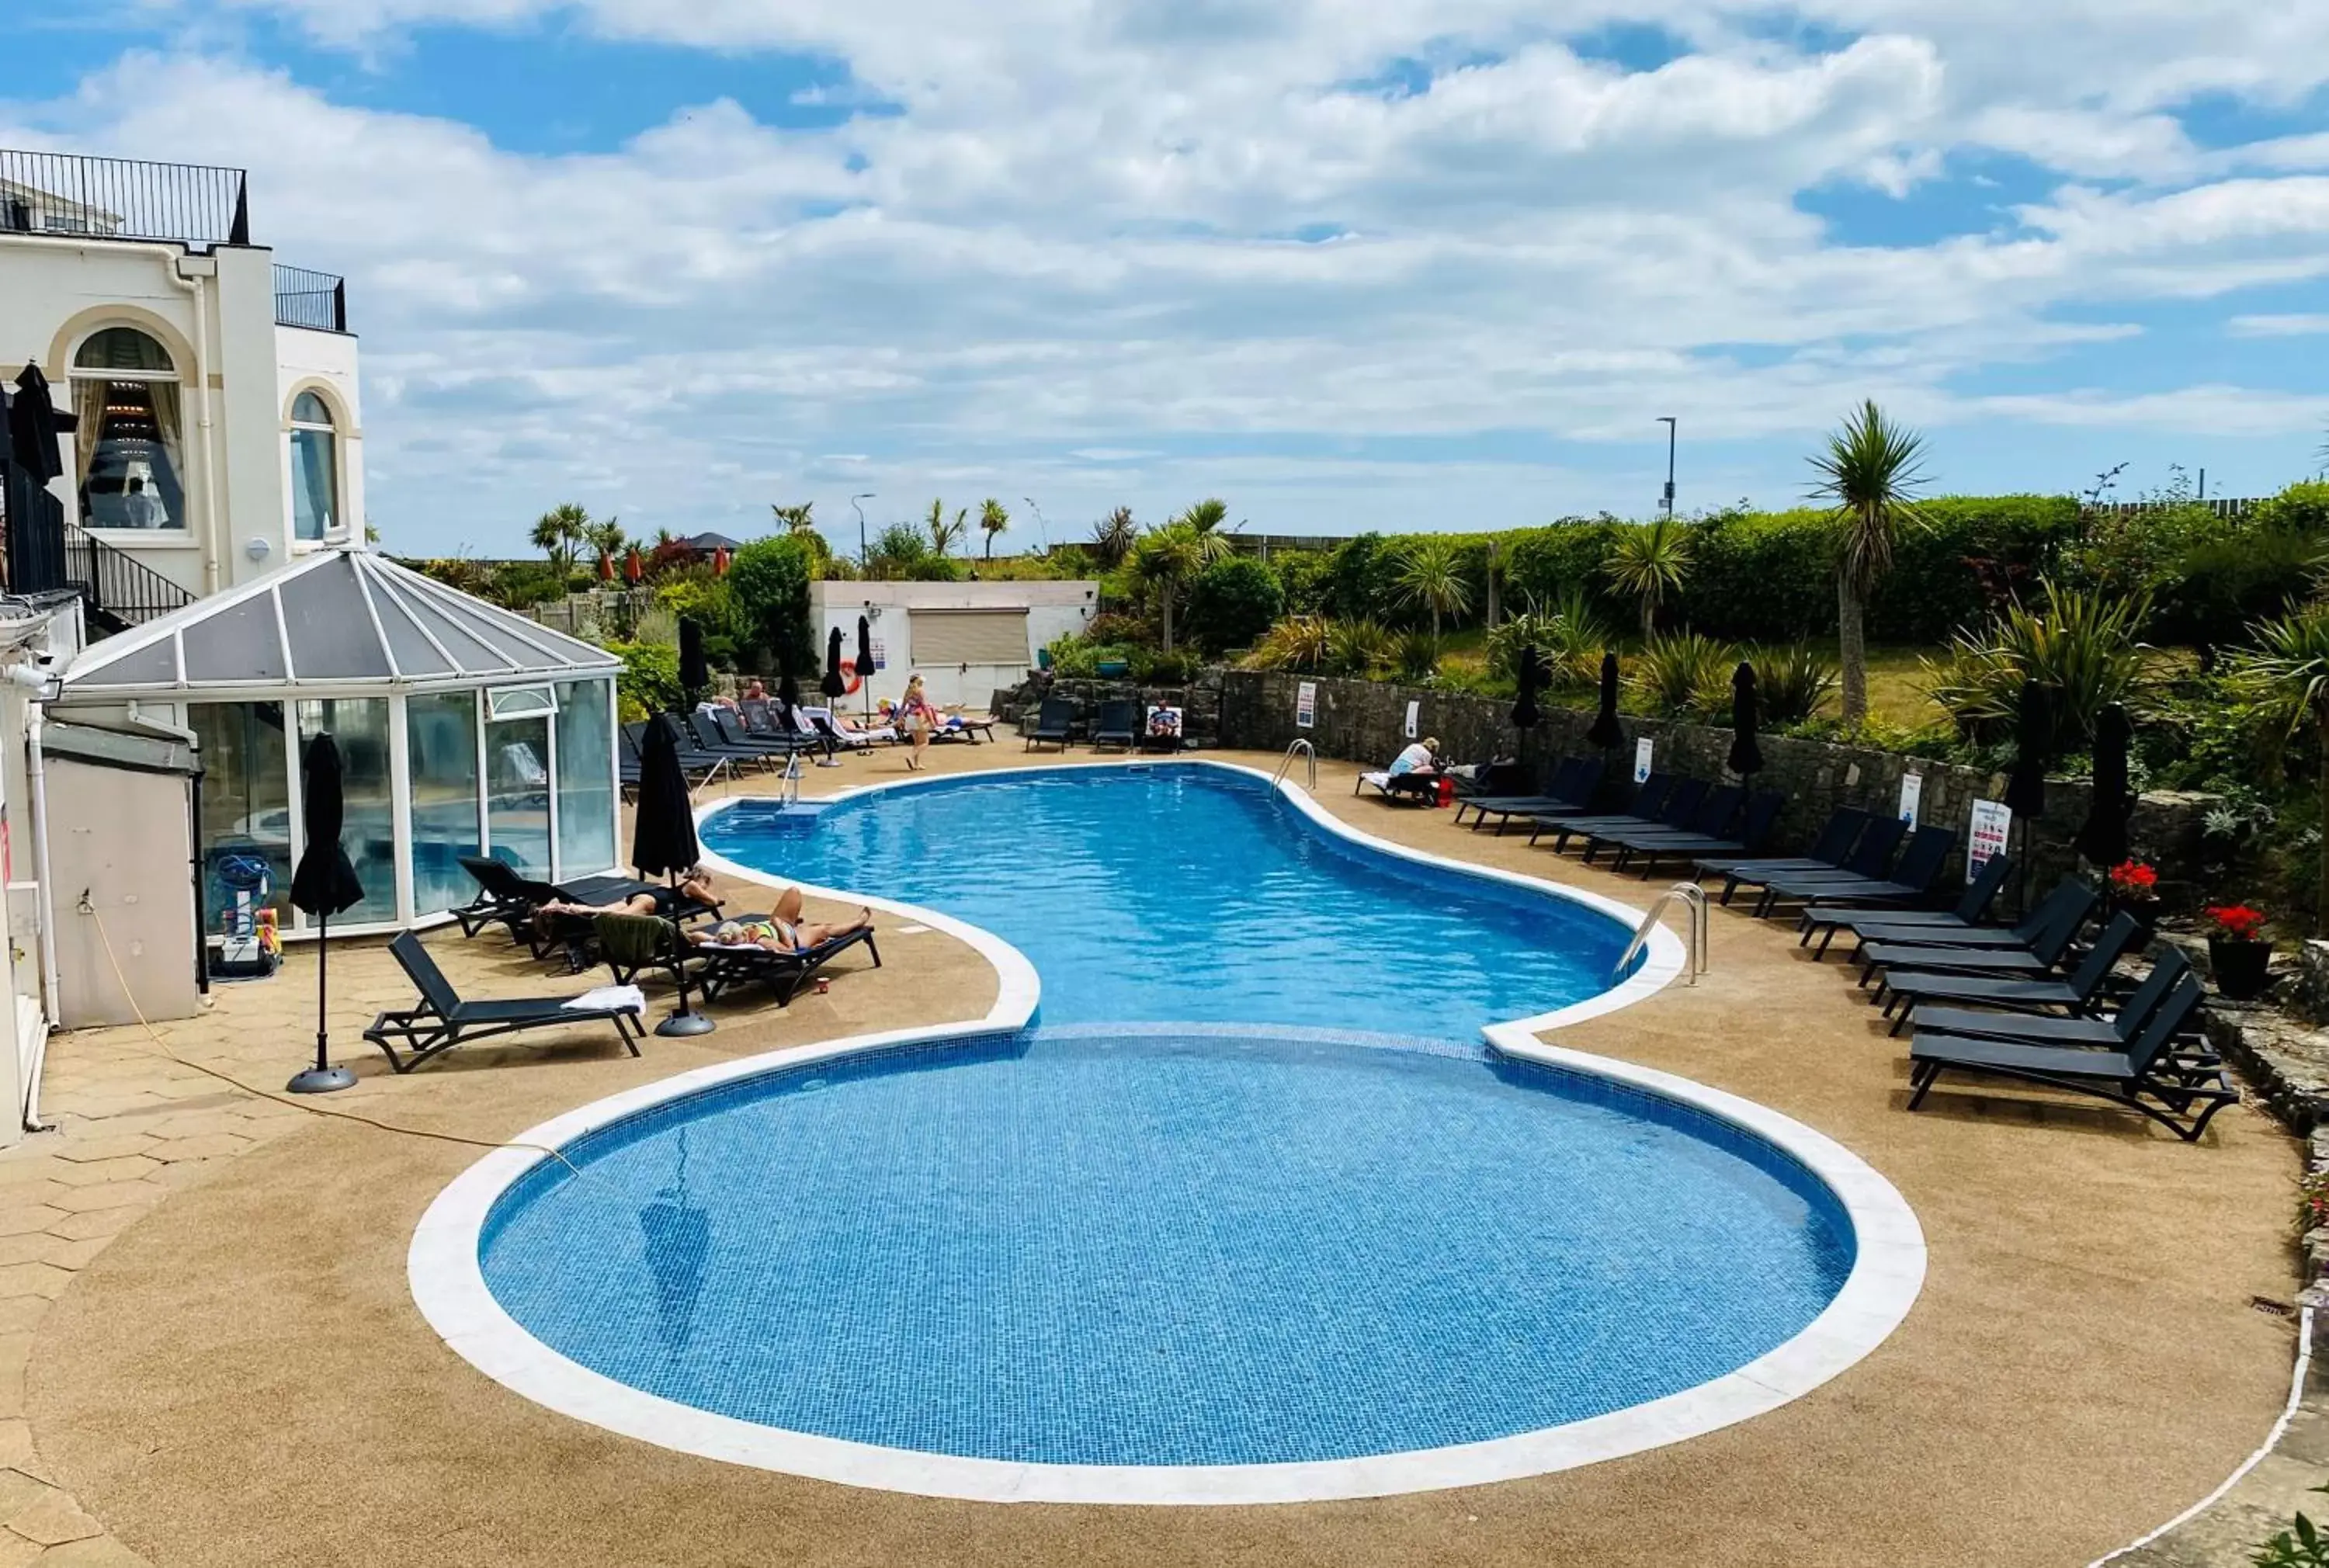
[
  {"x": 321, "y": 1081},
  {"x": 828, "y": 761},
  {"x": 689, "y": 1023}
]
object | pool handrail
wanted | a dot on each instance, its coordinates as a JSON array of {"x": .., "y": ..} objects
[
  {"x": 1303, "y": 748},
  {"x": 1692, "y": 899}
]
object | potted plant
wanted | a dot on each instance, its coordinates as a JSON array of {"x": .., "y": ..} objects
[
  {"x": 2134, "y": 888},
  {"x": 2237, "y": 951}
]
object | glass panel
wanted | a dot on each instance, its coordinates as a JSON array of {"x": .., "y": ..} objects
[
  {"x": 329, "y": 630},
  {"x": 128, "y": 453},
  {"x": 586, "y": 778},
  {"x": 239, "y": 642},
  {"x": 415, "y": 655},
  {"x": 315, "y": 483},
  {"x": 517, "y": 793},
  {"x": 368, "y": 831},
  {"x": 441, "y": 744},
  {"x": 122, "y": 348},
  {"x": 246, "y": 801},
  {"x": 308, "y": 408},
  {"x": 512, "y": 702}
]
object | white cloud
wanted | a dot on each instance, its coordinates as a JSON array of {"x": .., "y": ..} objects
[
  {"x": 1067, "y": 255},
  {"x": 2278, "y": 326}
]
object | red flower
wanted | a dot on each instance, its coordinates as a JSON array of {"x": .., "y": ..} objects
[
  {"x": 2134, "y": 878},
  {"x": 2236, "y": 922}
]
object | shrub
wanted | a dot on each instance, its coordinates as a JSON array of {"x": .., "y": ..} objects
[
  {"x": 1685, "y": 672},
  {"x": 1359, "y": 647},
  {"x": 1230, "y": 603},
  {"x": 515, "y": 584},
  {"x": 1543, "y": 565},
  {"x": 1571, "y": 638},
  {"x": 2079, "y": 645},
  {"x": 650, "y": 677},
  {"x": 1791, "y": 682},
  {"x": 1301, "y": 643},
  {"x": 1178, "y": 668},
  {"x": 1110, "y": 627},
  {"x": 1304, "y": 578},
  {"x": 1415, "y": 657},
  {"x": 769, "y": 580},
  {"x": 935, "y": 568},
  {"x": 895, "y": 550}
]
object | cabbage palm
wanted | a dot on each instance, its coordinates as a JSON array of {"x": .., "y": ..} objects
[
  {"x": 1431, "y": 574},
  {"x": 1163, "y": 560},
  {"x": 796, "y": 520},
  {"x": 1204, "y": 522},
  {"x": 1871, "y": 470},
  {"x": 1649, "y": 563},
  {"x": 1113, "y": 537},
  {"x": 558, "y": 532},
  {"x": 946, "y": 532},
  {"x": 992, "y": 520},
  {"x": 2286, "y": 673}
]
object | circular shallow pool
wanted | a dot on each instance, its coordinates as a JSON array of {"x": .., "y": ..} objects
[{"x": 1167, "y": 1247}]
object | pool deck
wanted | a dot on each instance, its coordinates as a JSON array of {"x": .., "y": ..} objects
[{"x": 208, "y": 1353}]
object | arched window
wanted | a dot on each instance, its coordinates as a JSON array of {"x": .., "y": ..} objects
[
  {"x": 315, "y": 469},
  {"x": 129, "y": 436}
]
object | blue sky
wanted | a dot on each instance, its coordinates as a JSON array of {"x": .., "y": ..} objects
[{"x": 1346, "y": 263}]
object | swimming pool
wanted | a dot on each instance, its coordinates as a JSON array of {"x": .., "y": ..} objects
[{"x": 1250, "y": 1214}]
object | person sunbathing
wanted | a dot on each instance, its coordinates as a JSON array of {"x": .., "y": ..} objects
[
  {"x": 695, "y": 887},
  {"x": 777, "y": 933}
]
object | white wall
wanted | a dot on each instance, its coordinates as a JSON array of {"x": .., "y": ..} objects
[
  {"x": 323, "y": 362},
  {"x": 55, "y": 292},
  {"x": 1053, "y": 609}
]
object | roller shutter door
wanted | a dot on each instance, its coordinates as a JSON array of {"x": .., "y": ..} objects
[{"x": 989, "y": 637}]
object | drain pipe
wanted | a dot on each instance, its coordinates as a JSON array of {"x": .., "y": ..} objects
[
  {"x": 213, "y": 524},
  {"x": 38, "y": 681}
]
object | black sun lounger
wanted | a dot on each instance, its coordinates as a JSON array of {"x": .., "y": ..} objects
[
  {"x": 2074, "y": 993},
  {"x": 2114, "y": 1033},
  {"x": 2055, "y": 924},
  {"x": 1051, "y": 721},
  {"x": 1574, "y": 783},
  {"x": 1651, "y": 845},
  {"x": 1116, "y": 725},
  {"x": 1867, "y": 860},
  {"x": 1710, "y": 818},
  {"x": 2150, "y": 1076},
  {"x": 725, "y": 968},
  {"x": 1829, "y": 850},
  {"x": 1671, "y": 809},
  {"x": 444, "y": 1020},
  {"x": 1911, "y": 879},
  {"x": 2068, "y": 904},
  {"x": 507, "y": 898},
  {"x": 1966, "y": 915}
]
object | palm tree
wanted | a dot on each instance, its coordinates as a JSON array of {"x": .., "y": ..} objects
[
  {"x": 1871, "y": 469},
  {"x": 796, "y": 520},
  {"x": 992, "y": 520},
  {"x": 1432, "y": 575},
  {"x": 1165, "y": 560},
  {"x": 2286, "y": 673},
  {"x": 946, "y": 534},
  {"x": 606, "y": 538},
  {"x": 1113, "y": 537},
  {"x": 558, "y": 532},
  {"x": 1204, "y": 522},
  {"x": 1650, "y": 562}
]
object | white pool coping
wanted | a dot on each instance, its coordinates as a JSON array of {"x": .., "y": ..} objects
[{"x": 448, "y": 1279}]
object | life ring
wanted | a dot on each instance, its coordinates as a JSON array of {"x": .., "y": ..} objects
[{"x": 849, "y": 675}]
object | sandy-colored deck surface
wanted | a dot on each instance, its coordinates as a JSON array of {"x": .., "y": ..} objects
[{"x": 239, "y": 1378}]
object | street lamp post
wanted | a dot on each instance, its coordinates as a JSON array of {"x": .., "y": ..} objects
[
  {"x": 1668, "y": 421},
  {"x": 864, "y": 556}
]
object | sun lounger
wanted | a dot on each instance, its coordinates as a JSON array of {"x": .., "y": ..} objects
[
  {"x": 1653, "y": 844},
  {"x": 1117, "y": 725},
  {"x": 1663, "y": 800},
  {"x": 2052, "y": 928},
  {"x": 1966, "y": 916},
  {"x": 2150, "y": 1070},
  {"x": 2067, "y": 906},
  {"x": 2052, "y": 1029},
  {"x": 444, "y": 1020},
  {"x": 725, "y": 968},
  {"x": 631, "y": 946},
  {"x": 1574, "y": 783},
  {"x": 1911, "y": 879},
  {"x": 1711, "y": 820},
  {"x": 1831, "y": 849},
  {"x": 698, "y": 768},
  {"x": 1051, "y": 722},
  {"x": 732, "y": 733},
  {"x": 508, "y": 898},
  {"x": 1867, "y": 860},
  {"x": 2022, "y": 991},
  {"x": 1419, "y": 788},
  {"x": 963, "y": 726}
]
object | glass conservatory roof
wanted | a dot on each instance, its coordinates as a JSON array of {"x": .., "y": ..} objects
[{"x": 335, "y": 617}]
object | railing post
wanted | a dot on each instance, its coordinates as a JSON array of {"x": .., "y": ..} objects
[{"x": 340, "y": 305}]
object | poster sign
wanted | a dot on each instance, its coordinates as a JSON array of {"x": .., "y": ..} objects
[
  {"x": 1414, "y": 709},
  {"x": 1912, "y": 795},
  {"x": 880, "y": 653},
  {"x": 1306, "y": 705},
  {"x": 1643, "y": 749},
  {"x": 1991, "y": 821}
]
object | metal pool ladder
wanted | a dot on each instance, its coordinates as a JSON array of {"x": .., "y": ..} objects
[
  {"x": 790, "y": 794},
  {"x": 1692, "y": 899},
  {"x": 1299, "y": 748}
]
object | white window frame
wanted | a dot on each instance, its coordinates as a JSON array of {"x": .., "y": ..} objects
[
  {"x": 292, "y": 424},
  {"x": 179, "y": 537}
]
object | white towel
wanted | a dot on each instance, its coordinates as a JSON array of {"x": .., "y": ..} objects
[{"x": 629, "y": 999}]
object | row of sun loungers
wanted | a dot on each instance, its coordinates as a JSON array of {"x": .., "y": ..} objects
[{"x": 1114, "y": 726}]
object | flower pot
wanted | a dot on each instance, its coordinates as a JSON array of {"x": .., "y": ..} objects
[{"x": 2239, "y": 967}]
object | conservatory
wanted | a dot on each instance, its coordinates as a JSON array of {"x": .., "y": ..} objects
[{"x": 463, "y": 729}]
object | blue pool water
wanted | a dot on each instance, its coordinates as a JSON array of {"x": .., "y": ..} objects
[
  {"x": 1254, "y": 1192},
  {"x": 1167, "y": 1248},
  {"x": 1178, "y": 894}
]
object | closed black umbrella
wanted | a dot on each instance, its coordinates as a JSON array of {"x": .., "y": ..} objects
[
  {"x": 663, "y": 843},
  {"x": 833, "y": 685},
  {"x": 1605, "y": 732},
  {"x": 2025, "y": 787},
  {"x": 1530, "y": 670},
  {"x": 1746, "y": 721},
  {"x": 33, "y": 426},
  {"x": 865, "y": 662},
  {"x": 788, "y": 677},
  {"x": 323, "y": 885},
  {"x": 2103, "y": 841},
  {"x": 694, "y": 675}
]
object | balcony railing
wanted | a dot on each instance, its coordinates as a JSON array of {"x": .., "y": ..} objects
[
  {"x": 315, "y": 300},
  {"x": 65, "y": 194}
]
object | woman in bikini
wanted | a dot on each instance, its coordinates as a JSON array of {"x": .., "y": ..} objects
[
  {"x": 782, "y": 932},
  {"x": 695, "y": 887},
  {"x": 919, "y": 719}
]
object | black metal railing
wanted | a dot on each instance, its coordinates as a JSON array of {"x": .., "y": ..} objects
[
  {"x": 316, "y": 300},
  {"x": 122, "y": 199},
  {"x": 119, "y": 590}
]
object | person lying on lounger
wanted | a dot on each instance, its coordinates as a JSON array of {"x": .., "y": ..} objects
[
  {"x": 778, "y": 932},
  {"x": 696, "y": 885}
]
